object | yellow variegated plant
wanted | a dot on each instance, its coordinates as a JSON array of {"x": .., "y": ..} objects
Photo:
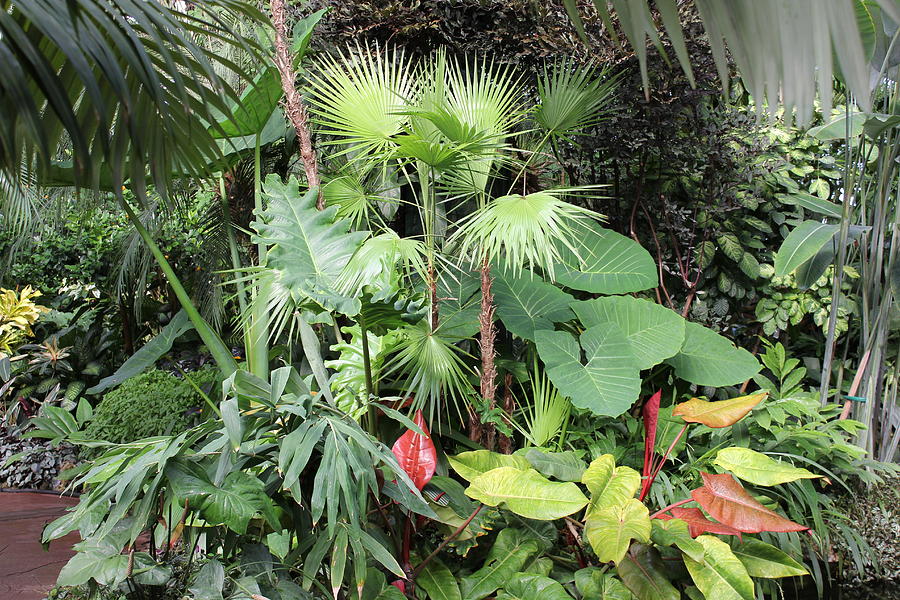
[{"x": 18, "y": 312}]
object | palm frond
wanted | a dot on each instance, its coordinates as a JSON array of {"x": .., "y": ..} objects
[
  {"x": 125, "y": 83},
  {"x": 381, "y": 262},
  {"x": 572, "y": 97}
]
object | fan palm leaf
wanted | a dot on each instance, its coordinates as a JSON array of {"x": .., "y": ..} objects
[{"x": 572, "y": 97}]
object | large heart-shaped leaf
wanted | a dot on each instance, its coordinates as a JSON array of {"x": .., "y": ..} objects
[
  {"x": 802, "y": 244},
  {"x": 416, "y": 453},
  {"x": 610, "y": 263},
  {"x": 722, "y": 413},
  {"x": 726, "y": 501},
  {"x": 654, "y": 331},
  {"x": 506, "y": 557},
  {"x": 308, "y": 248},
  {"x": 764, "y": 560},
  {"x": 643, "y": 573},
  {"x": 757, "y": 468},
  {"x": 720, "y": 575},
  {"x": 610, "y": 530},
  {"x": 610, "y": 381},
  {"x": 609, "y": 485},
  {"x": 527, "y": 493},
  {"x": 526, "y": 304},
  {"x": 697, "y": 522},
  {"x": 707, "y": 358},
  {"x": 84, "y": 566},
  {"x": 470, "y": 465}
]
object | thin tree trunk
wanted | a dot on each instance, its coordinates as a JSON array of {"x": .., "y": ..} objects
[
  {"x": 486, "y": 345},
  {"x": 293, "y": 104},
  {"x": 504, "y": 443}
]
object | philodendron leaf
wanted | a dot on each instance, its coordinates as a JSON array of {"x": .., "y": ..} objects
[
  {"x": 507, "y": 556},
  {"x": 610, "y": 263},
  {"x": 722, "y": 413},
  {"x": 729, "y": 503},
  {"x": 595, "y": 584},
  {"x": 697, "y": 522},
  {"x": 528, "y": 303},
  {"x": 608, "y": 384},
  {"x": 84, "y": 566},
  {"x": 610, "y": 530},
  {"x": 643, "y": 573},
  {"x": 470, "y": 465},
  {"x": 802, "y": 244},
  {"x": 720, "y": 575},
  {"x": 308, "y": 248},
  {"x": 438, "y": 582},
  {"x": 758, "y": 468},
  {"x": 676, "y": 532},
  {"x": 529, "y": 586},
  {"x": 526, "y": 493},
  {"x": 416, "y": 453},
  {"x": 654, "y": 332},
  {"x": 608, "y": 484},
  {"x": 707, "y": 358},
  {"x": 564, "y": 466},
  {"x": 763, "y": 560}
]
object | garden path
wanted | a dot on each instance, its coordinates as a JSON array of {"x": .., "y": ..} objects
[{"x": 25, "y": 568}]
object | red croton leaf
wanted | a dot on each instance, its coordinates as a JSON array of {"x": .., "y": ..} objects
[
  {"x": 697, "y": 522},
  {"x": 729, "y": 503},
  {"x": 416, "y": 453},
  {"x": 651, "y": 419}
]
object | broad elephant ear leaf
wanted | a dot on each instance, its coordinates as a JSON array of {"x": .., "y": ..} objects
[
  {"x": 608, "y": 384},
  {"x": 707, "y": 358},
  {"x": 528, "y": 303},
  {"x": 729, "y": 503},
  {"x": 605, "y": 262},
  {"x": 722, "y": 413},
  {"x": 470, "y": 465},
  {"x": 308, "y": 248},
  {"x": 610, "y": 530},
  {"x": 416, "y": 453}
]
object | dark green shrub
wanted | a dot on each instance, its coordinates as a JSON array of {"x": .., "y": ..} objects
[{"x": 153, "y": 403}]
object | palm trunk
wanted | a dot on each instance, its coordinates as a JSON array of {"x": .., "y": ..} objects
[{"x": 486, "y": 345}]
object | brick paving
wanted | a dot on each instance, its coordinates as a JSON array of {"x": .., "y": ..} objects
[{"x": 27, "y": 572}]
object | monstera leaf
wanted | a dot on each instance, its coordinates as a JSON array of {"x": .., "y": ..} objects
[
  {"x": 610, "y": 381},
  {"x": 707, "y": 358},
  {"x": 526, "y": 304},
  {"x": 526, "y": 493},
  {"x": 654, "y": 331},
  {"x": 308, "y": 248},
  {"x": 609, "y": 263}
]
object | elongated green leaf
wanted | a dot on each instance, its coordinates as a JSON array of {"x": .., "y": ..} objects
[
  {"x": 608, "y": 484},
  {"x": 595, "y": 584},
  {"x": 721, "y": 413},
  {"x": 526, "y": 304},
  {"x": 654, "y": 332},
  {"x": 564, "y": 466},
  {"x": 707, "y": 358},
  {"x": 757, "y": 468},
  {"x": 470, "y": 465},
  {"x": 763, "y": 560},
  {"x": 610, "y": 264},
  {"x": 721, "y": 574},
  {"x": 529, "y": 586},
  {"x": 813, "y": 203},
  {"x": 801, "y": 244},
  {"x": 610, "y": 381},
  {"x": 642, "y": 572},
  {"x": 526, "y": 493},
  {"x": 507, "y": 557},
  {"x": 837, "y": 128},
  {"x": 610, "y": 530},
  {"x": 438, "y": 582},
  {"x": 148, "y": 354}
]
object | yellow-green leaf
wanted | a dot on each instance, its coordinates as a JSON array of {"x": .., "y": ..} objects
[
  {"x": 763, "y": 560},
  {"x": 722, "y": 413},
  {"x": 676, "y": 532},
  {"x": 609, "y": 485},
  {"x": 527, "y": 493},
  {"x": 758, "y": 468},
  {"x": 470, "y": 465},
  {"x": 610, "y": 530},
  {"x": 721, "y": 575}
]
